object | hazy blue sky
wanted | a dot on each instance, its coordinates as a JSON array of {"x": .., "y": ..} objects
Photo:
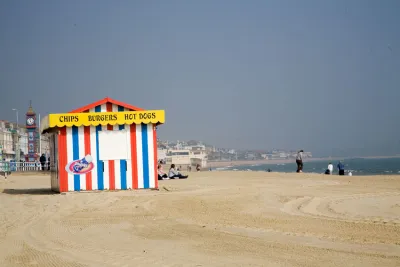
[{"x": 319, "y": 75}]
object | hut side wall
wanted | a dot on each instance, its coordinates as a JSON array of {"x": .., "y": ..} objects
[{"x": 136, "y": 172}]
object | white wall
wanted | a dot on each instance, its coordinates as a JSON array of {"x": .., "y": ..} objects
[
  {"x": 178, "y": 160},
  {"x": 23, "y": 143},
  {"x": 161, "y": 154},
  {"x": 6, "y": 142},
  {"x": 113, "y": 145},
  {"x": 202, "y": 162}
]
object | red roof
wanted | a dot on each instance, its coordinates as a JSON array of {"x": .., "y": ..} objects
[{"x": 105, "y": 101}]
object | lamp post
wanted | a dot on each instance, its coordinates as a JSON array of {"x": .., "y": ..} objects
[
  {"x": 16, "y": 112},
  {"x": 40, "y": 139},
  {"x": 17, "y": 153}
]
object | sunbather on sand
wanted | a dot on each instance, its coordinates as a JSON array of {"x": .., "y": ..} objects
[{"x": 174, "y": 174}]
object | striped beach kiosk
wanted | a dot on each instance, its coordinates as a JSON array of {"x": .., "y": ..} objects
[{"x": 106, "y": 145}]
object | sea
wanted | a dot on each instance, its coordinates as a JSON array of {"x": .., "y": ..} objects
[{"x": 357, "y": 166}]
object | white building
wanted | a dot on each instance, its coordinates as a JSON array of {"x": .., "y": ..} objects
[
  {"x": 187, "y": 157},
  {"x": 6, "y": 141},
  {"x": 232, "y": 151},
  {"x": 162, "y": 154},
  {"x": 44, "y": 146},
  {"x": 14, "y": 142},
  {"x": 198, "y": 156},
  {"x": 23, "y": 141},
  {"x": 178, "y": 157},
  {"x": 198, "y": 161}
]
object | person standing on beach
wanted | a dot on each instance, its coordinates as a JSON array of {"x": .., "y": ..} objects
[
  {"x": 330, "y": 168},
  {"x": 43, "y": 162},
  {"x": 341, "y": 168},
  {"x": 299, "y": 161}
]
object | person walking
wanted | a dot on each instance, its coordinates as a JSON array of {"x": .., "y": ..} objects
[{"x": 299, "y": 161}]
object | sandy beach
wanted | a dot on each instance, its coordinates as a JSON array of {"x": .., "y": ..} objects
[{"x": 210, "y": 219}]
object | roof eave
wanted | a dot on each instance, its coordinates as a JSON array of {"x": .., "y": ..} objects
[{"x": 104, "y": 101}]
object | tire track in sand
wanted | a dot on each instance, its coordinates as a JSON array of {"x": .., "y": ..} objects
[
  {"x": 321, "y": 207},
  {"x": 58, "y": 233}
]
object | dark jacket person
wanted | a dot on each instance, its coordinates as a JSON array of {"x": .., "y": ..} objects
[{"x": 42, "y": 161}]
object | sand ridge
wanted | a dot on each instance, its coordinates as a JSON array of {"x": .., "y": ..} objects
[{"x": 210, "y": 219}]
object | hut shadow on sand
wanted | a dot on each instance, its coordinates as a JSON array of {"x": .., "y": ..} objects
[{"x": 29, "y": 191}]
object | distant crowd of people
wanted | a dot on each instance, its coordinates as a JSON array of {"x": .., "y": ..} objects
[
  {"x": 174, "y": 171},
  {"x": 329, "y": 170},
  {"x": 340, "y": 167}
]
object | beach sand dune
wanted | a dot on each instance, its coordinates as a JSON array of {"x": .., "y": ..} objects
[{"x": 210, "y": 219}]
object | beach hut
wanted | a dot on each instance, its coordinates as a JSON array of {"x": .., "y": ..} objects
[{"x": 106, "y": 145}]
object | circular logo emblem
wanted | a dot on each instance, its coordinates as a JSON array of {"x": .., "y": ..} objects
[{"x": 76, "y": 167}]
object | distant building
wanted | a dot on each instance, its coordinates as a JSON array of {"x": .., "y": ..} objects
[
  {"x": 198, "y": 161},
  {"x": 196, "y": 148},
  {"x": 198, "y": 156},
  {"x": 178, "y": 157},
  {"x": 21, "y": 142},
  {"x": 231, "y": 151},
  {"x": 162, "y": 154},
  {"x": 283, "y": 155},
  {"x": 186, "y": 157},
  {"x": 13, "y": 140},
  {"x": 207, "y": 152},
  {"x": 7, "y": 137}
]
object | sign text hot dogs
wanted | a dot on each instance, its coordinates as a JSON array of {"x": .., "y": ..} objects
[{"x": 103, "y": 118}]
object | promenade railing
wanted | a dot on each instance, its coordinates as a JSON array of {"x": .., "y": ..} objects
[
  {"x": 4, "y": 169},
  {"x": 23, "y": 166}
]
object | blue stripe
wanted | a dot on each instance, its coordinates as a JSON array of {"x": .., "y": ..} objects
[
  {"x": 145, "y": 150},
  {"x": 123, "y": 173},
  {"x": 122, "y": 163},
  {"x": 75, "y": 155},
  {"x": 100, "y": 175}
]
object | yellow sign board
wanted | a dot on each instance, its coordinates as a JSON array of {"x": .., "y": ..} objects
[{"x": 104, "y": 118}]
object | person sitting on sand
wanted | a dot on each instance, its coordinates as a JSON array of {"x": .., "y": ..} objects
[
  {"x": 161, "y": 174},
  {"x": 174, "y": 174}
]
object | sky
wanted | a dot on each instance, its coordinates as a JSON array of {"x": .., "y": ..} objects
[{"x": 318, "y": 75}]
